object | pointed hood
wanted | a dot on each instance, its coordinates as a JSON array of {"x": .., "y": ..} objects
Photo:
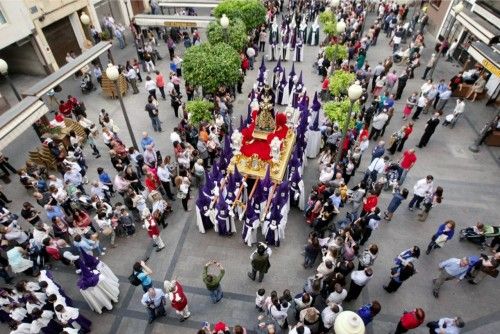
[
  {"x": 262, "y": 66},
  {"x": 316, "y": 105},
  {"x": 222, "y": 205},
  {"x": 284, "y": 81},
  {"x": 300, "y": 82},
  {"x": 87, "y": 279},
  {"x": 260, "y": 78},
  {"x": 315, "y": 124},
  {"x": 203, "y": 201},
  {"x": 296, "y": 177},
  {"x": 292, "y": 72},
  {"x": 278, "y": 67},
  {"x": 238, "y": 178},
  {"x": 266, "y": 182},
  {"x": 88, "y": 260},
  {"x": 250, "y": 212},
  {"x": 251, "y": 96},
  {"x": 216, "y": 175}
]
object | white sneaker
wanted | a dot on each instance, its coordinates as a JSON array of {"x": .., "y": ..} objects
[
  {"x": 102, "y": 254},
  {"x": 104, "y": 248}
]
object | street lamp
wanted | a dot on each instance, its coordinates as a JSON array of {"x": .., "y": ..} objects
[
  {"x": 457, "y": 9},
  {"x": 348, "y": 322},
  {"x": 4, "y": 71},
  {"x": 354, "y": 92},
  {"x": 224, "y": 22},
  {"x": 341, "y": 27},
  {"x": 85, "y": 19},
  {"x": 113, "y": 75}
]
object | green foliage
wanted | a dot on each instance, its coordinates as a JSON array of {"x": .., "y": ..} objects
[
  {"x": 251, "y": 12},
  {"x": 211, "y": 66},
  {"x": 236, "y": 34},
  {"x": 340, "y": 82},
  {"x": 336, "y": 52},
  {"x": 337, "y": 112},
  {"x": 329, "y": 23},
  {"x": 105, "y": 36},
  {"x": 199, "y": 110}
]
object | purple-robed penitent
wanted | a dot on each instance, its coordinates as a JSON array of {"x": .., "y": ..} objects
[
  {"x": 223, "y": 218},
  {"x": 87, "y": 278}
]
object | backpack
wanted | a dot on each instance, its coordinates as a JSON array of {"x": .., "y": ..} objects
[
  {"x": 134, "y": 280},
  {"x": 140, "y": 160}
]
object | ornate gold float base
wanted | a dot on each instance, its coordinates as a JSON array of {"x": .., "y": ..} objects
[{"x": 256, "y": 168}]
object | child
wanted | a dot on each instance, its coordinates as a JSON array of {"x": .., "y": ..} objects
[
  {"x": 126, "y": 221},
  {"x": 260, "y": 299},
  {"x": 397, "y": 198},
  {"x": 343, "y": 192},
  {"x": 268, "y": 301}
]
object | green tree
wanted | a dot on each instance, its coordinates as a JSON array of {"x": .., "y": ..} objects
[
  {"x": 211, "y": 66},
  {"x": 337, "y": 112},
  {"x": 329, "y": 23},
  {"x": 336, "y": 52},
  {"x": 340, "y": 82},
  {"x": 251, "y": 12},
  {"x": 236, "y": 34},
  {"x": 199, "y": 110}
]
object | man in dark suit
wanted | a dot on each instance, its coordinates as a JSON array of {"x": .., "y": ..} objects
[{"x": 429, "y": 130}]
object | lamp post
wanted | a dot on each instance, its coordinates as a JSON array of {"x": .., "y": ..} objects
[
  {"x": 4, "y": 71},
  {"x": 457, "y": 9},
  {"x": 348, "y": 322},
  {"x": 354, "y": 92},
  {"x": 85, "y": 20},
  {"x": 113, "y": 75},
  {"x": 224, "y": 22}
]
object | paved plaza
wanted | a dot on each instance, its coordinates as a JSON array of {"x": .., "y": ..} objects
[{"x": 470, "y": 182}]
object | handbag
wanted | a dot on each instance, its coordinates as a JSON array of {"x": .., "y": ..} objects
[
  {"x": 107, "y": 231},
  {"x": 441, "y": 240},
  {"x": 134, "y": 280}
]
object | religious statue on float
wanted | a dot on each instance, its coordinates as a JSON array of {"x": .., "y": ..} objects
[{"x": 265, "y": 118}]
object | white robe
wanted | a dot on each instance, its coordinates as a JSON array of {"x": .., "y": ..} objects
[{"x": 102, "y": 295}]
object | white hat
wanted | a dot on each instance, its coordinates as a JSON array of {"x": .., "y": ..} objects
[{"x": 169, "y": 286}]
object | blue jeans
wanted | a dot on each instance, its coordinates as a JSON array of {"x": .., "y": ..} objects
[
  {"x": 156, "y": 123},
  {"x": 121, "y": 42},
  {"x": 216, "y": 295}
]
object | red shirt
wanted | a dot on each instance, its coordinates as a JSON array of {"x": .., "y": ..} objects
[
  {"x": 408, "y": 159},
  {"x": 409, "y": 320},
  {"x": 371, "y": 202},
  {"x": 408, "y": 131},
  {"x": 160, "y": 82},
  {"x": 325, "y": 85}
]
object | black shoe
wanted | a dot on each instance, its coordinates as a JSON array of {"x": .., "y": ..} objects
[
  {"x": 435, "y": 294},
  {"x": 98, "y": 156},
  {"x": 471, "y": 281},
  {"x": 386, "y": 289},
  {"x": 160, "y": 249},
  {"x": 8, "y": 201},
  {"x": 249, "y": 274}
]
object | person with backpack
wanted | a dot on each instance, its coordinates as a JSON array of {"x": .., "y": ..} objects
[{"x": 141, "y": 275}]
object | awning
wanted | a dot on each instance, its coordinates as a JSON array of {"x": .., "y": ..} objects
[
  {"x": 189, "y": 3},
  {"x": 482, "y": 29},
  {"x": 486, "y": 56},
  {"x": 66, "y": 71},
  {"x": 19, "y": 118},
  {"x": 180, "y": 21}
]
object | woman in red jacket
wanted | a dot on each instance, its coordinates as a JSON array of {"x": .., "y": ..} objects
[
  {"x": 410, "y": 320},
  {"x": 369, "y": 203}
]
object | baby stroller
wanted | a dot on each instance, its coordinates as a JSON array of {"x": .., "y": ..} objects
[
  {"x": 391, "y": 176},
  {"x": 86, "y": 84},
  {"x": 479, "y": 233}
]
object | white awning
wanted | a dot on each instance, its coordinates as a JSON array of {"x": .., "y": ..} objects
[
  {"x": 482, "y": 29},
  {"x": 181, "y": 21},
  {"x": 189, "y": 3},
  {"x": 19, "y": 118}
]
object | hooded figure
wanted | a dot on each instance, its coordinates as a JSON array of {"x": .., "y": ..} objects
[
  {"x": 202, "y": 212},
  {"x": 313, "y": 37},
  {"x": 291, "y": 77},
  {"x": 93, "y": 263},
  {"x": 243, "y": 198},
  {"x": 296, "y": 91},
  {"x": 282, "y": 98},
  {"x": 271, "y": 229},
  {"x": 294, "y": 163},
  {"x": 277, "y": 73},
  {"x": 313, "y": 134},
  {"x": 298, "y": 54},
  {"x": 274, "y": 34},
  {"x": 225, "y": 222},
  {"x": 250, "y": 226},
  {"x": 98, "y": 291},
  {"x": 303, "y": 29},
  {"x": 297, "y": 190},
  {"x": 274, "y": 53}
]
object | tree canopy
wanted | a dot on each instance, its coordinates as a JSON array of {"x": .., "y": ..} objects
[
  {"x": 251, "y": 12},
  {"x": 211, "y": 66},
  {"x": 199, "y": 110},
  {"x": 337, "y": 111},
  {"x": 236, "y": 34},
  {"x": 340, "y": 82}
]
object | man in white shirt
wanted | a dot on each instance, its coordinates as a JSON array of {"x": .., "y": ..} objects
[
  {"x": 378, "y": 123},
  {"x": 337, "y": 296},
  {"x": 420, "y": 189},
  {"x": 174, "y": 136},
  {"x": 451, "y": 50},
  {"x": 154, "y": 301},
  {"x": 377, "y": 166},
  {"x": 165, "y": 178},
  {"x": 329, "y": 314},
  {"x": 421, "y": 103},
  {"x": 132, "y": 78},
  {"x": 443, "y": 99},
  {"x": 459, "y": 109},
  {"x": 359, "y": 279}
]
